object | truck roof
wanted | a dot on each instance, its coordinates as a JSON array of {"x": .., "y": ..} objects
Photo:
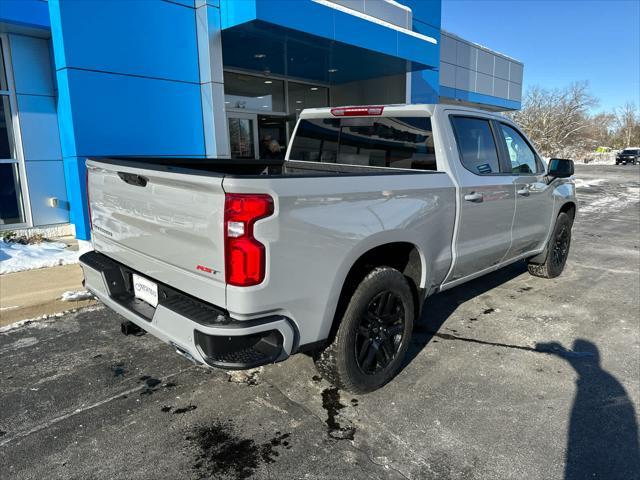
[{"x": 391, "y": 110}]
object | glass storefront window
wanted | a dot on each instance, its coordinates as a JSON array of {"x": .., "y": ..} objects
[
  {"x": 241, "y": 137},
  {"x": 3, "y": 75},
  {"x": 10, "y": 195},
  {"x": 303, "y": 96},
  {"x": 257, "y": 94},
  {"x": 11, "y": 206},
  {"x": 6, "y": 135}
]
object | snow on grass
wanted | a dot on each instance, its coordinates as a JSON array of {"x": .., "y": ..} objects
[
  {"x": 74, "y": 296},
  {"x": 42, "y": 320},
  {"x": 15, "y": 257}
]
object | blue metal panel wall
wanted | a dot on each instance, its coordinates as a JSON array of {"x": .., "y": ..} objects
[
  {"x": 425, "y": 84},
  {"x": 27, "y": 13},
  {"x": 36, "y": 105},
  {"x": 320, "y": 20},
  {"x": 129, "y": 84}
]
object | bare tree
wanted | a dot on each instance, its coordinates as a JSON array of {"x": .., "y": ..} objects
[
  {"x": 558, "y": 121},
  {"x": 627, "y": 126}
]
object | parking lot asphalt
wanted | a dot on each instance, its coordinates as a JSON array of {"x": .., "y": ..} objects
[{"x": 508, "y": 377}]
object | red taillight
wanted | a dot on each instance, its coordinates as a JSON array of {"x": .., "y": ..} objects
[
  {"x": 356, "y": 111},
  {"x": 244, "y": 255},
  {"x": 88, "y": 201}
]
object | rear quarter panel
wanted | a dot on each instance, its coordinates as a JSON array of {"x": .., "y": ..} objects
[{"x": 322, "y": 225}]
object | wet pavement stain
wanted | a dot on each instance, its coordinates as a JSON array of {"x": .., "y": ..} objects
[
  {"x": 2, "y": 433},
  {"x": 150, "y": 384},
  {"x": 331, "y": 403},
  {"x": 488, "y": 311},
  {"x": 118, "y": 370},
  {"x": 225, "y": 454},
  {"x": 166, "y": 409},
  {"x": 524, "y": 289},
  {"x": 316, "y": 378},
  {"x": 186, "y": 409},
  {"x": 354, "y": 402}
]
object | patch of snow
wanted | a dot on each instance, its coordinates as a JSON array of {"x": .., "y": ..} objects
[
  {"x": 611, "y": 160},
  {"x": 15, "y": 257},
  {"x": 612, "y": 203},
  {"x": 580, "y": 183},
  {"x": 40, "y": 322},
  {"x": 84, "y": 246},
  {"x": 74, "y": 296}
]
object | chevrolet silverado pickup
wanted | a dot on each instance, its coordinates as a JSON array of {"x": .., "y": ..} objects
[{"x": 331, "y": 251}]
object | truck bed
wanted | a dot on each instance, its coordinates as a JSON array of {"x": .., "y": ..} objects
[{"x": 252, "y": 168}]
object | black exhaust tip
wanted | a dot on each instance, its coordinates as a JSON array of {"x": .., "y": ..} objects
[{"x": 130, "y": 328}]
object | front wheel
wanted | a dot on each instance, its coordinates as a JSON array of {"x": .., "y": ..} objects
[
  {"x": 557, "y": 250},
  {"x": 373, "y": 336}
]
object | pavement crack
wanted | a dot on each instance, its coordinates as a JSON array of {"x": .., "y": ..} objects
[
  {"x": 384, "y": 466},
  {"x": 53, "y": 421},
  {"x": 545, "y": 349}
]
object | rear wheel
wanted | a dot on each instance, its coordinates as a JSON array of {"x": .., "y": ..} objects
[
  {"x": 557, "y": 250},
  {"x": 373, "y": 335}
]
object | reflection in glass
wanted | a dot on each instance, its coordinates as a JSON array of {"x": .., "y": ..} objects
[
  {"x": 6, "y": 135},
  {"x": 3, "y": 75},
  {"x": 395, "y": 142},
  {"x": 246, "y": 92},
  {"x": 241, "y": 138}
]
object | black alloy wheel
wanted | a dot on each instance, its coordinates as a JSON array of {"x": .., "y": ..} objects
[{"x": 380, "y": 332}]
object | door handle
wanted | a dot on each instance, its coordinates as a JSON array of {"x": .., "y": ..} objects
[
  {"x": 473, "y": 197},
  {"x": 523, "y": 192}
]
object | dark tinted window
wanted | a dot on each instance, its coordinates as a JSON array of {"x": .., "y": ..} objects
[
  {"x": 476, "y": 144},
  {"x": 523, "y": 158},
  {"x": 396, "y": 142}
]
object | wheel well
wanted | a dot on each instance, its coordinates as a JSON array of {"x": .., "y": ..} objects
[
  {"x": 570, "y": 209},
  {"x": 402, "y": 256}
]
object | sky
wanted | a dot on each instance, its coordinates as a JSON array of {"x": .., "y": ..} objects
[{"x": 560, "y": 41}]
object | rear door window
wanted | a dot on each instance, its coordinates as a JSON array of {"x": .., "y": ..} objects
[
  {"x": 476, "y": 145},
  {"x": 394, "y": 142}
]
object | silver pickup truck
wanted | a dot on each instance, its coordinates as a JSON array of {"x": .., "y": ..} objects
[{"x": 331, "y": 251}]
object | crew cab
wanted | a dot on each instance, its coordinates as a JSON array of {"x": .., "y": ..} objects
[{"x": 331, "y": 251}]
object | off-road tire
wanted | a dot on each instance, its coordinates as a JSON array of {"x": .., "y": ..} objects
[
  {"x": 557, "y": 250},
  {"x": 341, "y": 362}
]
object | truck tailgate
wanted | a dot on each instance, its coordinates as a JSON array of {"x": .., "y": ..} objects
[{"x": 165, "y": 224}]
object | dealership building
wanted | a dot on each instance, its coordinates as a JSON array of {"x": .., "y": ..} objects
[{"x": 206, "y": 79}]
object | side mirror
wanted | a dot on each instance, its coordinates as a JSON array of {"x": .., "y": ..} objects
[{"x": 560, "y": 168}]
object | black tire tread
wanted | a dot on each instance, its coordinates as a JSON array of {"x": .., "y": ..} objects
[
  {"x": 330, "y": 362},
  {"x": 546, "y": 269}
]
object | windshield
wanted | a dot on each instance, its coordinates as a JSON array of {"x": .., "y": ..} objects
[{"x": 396, "y": 142}]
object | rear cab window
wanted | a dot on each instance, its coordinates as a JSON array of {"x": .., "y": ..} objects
[{"x": 392, "y": 142}]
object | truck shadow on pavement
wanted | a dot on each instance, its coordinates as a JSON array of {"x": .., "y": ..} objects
[{"x": 602, "y": 440}]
